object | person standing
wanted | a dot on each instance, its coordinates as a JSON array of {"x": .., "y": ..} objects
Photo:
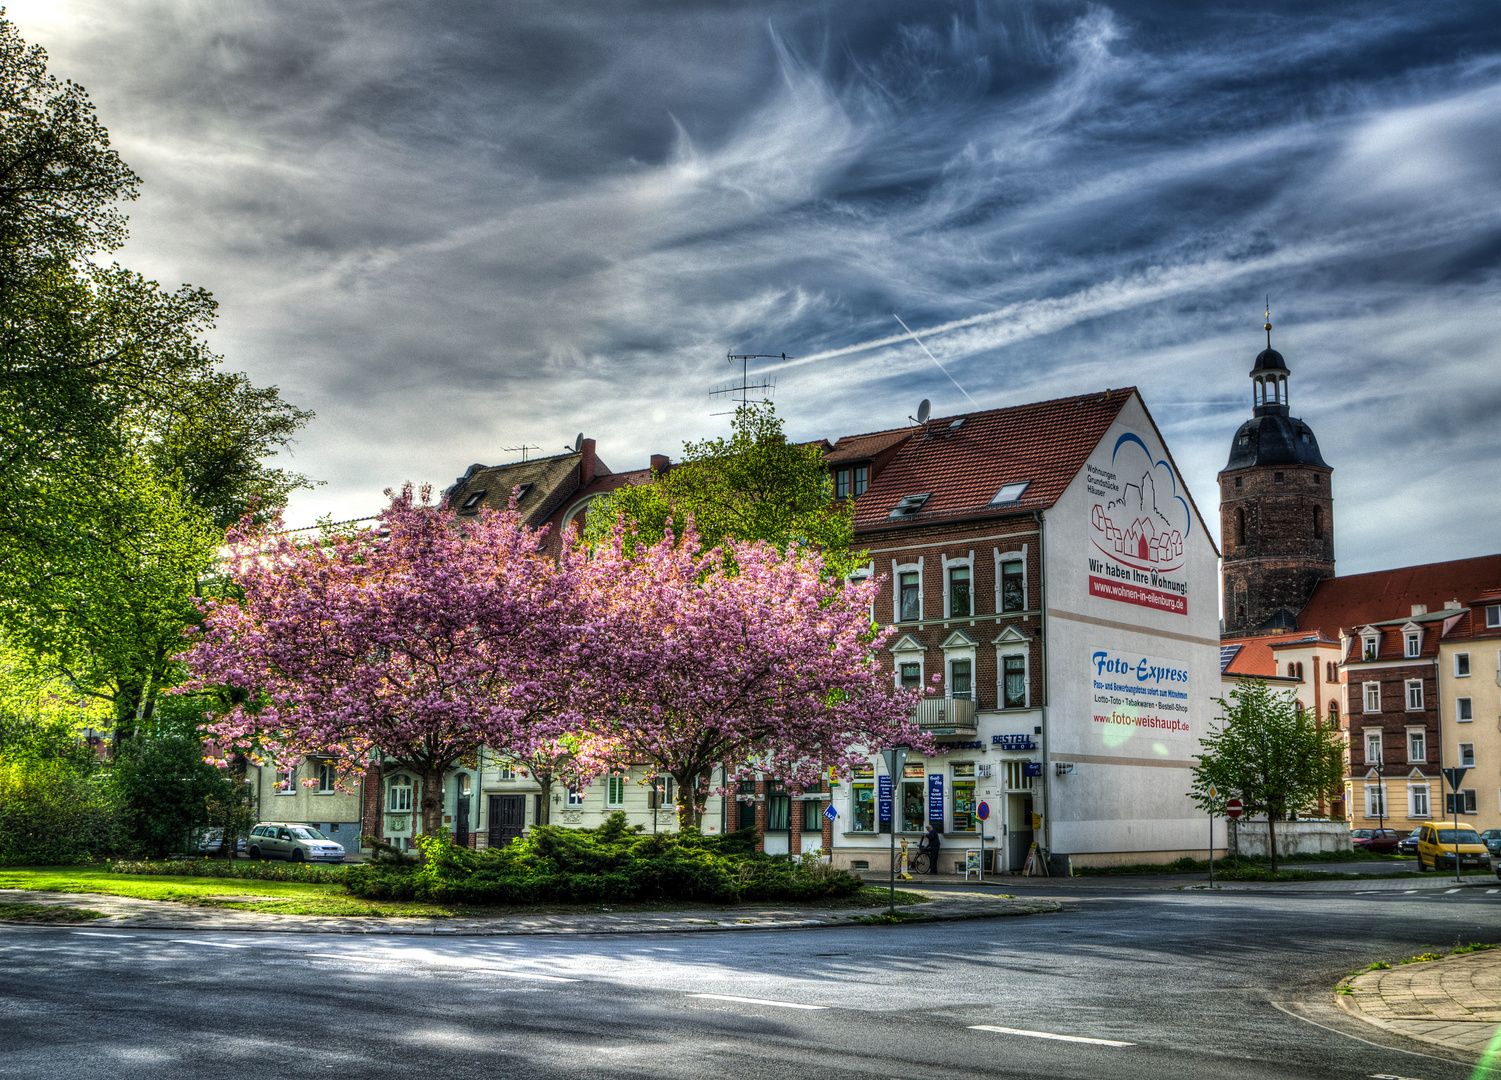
[{"x": 931, "y": 842}]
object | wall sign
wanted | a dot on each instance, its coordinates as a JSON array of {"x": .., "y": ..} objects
[
  {"x": 1013, "y": 742},
  {"x": 973, "y": 745},
  {"x": 1138, "y": 524},
  {"x": 883, "y": 800},
  {"x": 1031, "y": 768},
  {"x": 935, "y": 798},
  {"x": 1139, "y": 705}
]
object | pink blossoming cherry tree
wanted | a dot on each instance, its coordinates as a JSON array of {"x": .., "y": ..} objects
[
  {"x": 742, "y": 656},
  {"x": 423, "y": 640}
]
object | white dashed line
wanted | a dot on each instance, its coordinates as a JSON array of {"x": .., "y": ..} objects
[
  {"x": 504, "y": 973},
  {"x": 1447, "y": 891},
  {"x": 98, "y": 933},
  {"x": 1049, "y": 1035},
  {"x": 210, "y": 944},
  {"x": 759, "y": 1001}
]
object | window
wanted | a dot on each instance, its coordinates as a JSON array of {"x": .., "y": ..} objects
[
  {"x": 508, "y": 770},
  {"x": 841, "y": 484},
  {"x": 327, "y": 778},
  {"x": 1276, "y": 478},
  {"x": 1318, "y": 523},
  {"x": 911, "y": 676},
  {"x": 1295, "y": 671},
  {"x": 862, "y": 807},
  {"x": 1330, "y": 675},
  {"x": 1459, "y": 802},
  {"x": 1009, "y": 493},
  {"x": 1015, "y": 682},
  {"x": 959, "y": 596},
  {"x": 908, "y": 507},
  {"x": 1493, "y": 616},
  {"x": 1462, "y": 665},
  {"x": 472, "y": 502},
  {"x": 520, "y": 491},
  {"x": 862, "y": 480},
  {"x": 813, "y": 815},
  {"x": 284, "y": 778},
  {"x": 1373, "y": 697},
  {"x": 778, "y": 810},
  {"x": 399, "y": 795},
  {"x": 1370, "y": 647},
  {"x": 1372, "y": 747},
  {"x": 1467, "y": 755},
  {"x": 575, "y": 796},
  {"x": 747, "y": 804},
  {"x": 1375, "y": 800},
  {"x": 1417, "y": 800},
  {"x": 1334, "y": 713},
  {"x": 615, "y": 790},
  {"x": 1013, "y": 595},
  {"x": 1240, "y": 522},
  {"x": 1414, "y": 695},
  {"x": 1414, "y": 644},
  {"x": 964, "y": 796},
  {"x": 1417, "y": 745},
  {"x": 959, "y": 680},
  {"x": 1463, "y": 711},
  {"x": 911, "y": 596}
]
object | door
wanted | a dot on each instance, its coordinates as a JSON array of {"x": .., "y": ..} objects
[
  {"x": 461, "y": 821},
  {"x": 1019, "y": 834},
  {"x": 507, "y": 818}
]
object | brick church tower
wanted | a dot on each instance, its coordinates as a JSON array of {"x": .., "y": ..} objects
[{"x": 1276, "y": 508}]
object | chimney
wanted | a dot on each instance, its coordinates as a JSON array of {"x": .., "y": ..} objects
[
  {"x": 1452, "y": 605},
  {"x": 586, "y": 462},
  {"x": 1420, "y": 609},
  {"x": 660, "y": 463}
]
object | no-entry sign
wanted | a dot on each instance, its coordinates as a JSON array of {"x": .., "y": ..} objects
[{"x": 1234, "y": 808}]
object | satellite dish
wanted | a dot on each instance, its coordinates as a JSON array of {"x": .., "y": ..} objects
[
  {"x": 924, "y": 410},
  {"x": 578, "y": 443}
]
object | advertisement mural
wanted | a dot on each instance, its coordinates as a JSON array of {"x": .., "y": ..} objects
[
  {"x": 1140, "y": 705},
  {"x": 1138, "y": 525}
]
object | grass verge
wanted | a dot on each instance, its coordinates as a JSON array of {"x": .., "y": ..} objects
[
  {"x": 1421, "y": 958},
  {"x": 46, "y": 913}
]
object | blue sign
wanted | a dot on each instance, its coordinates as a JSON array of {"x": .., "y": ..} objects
[
  {"x": 976, "y": 744},
  {"x": 935, "y": 798},
  {"x": 983, "y": 811},
  {"x": 883, "y": 801},
  {"x": 1031, "y": 768},
  {"x": 1013, "y": 742},
  {"x": 829, "y": 812}
]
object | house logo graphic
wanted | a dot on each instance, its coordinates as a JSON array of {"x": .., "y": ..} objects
[{"x": 1145, "y": 525}]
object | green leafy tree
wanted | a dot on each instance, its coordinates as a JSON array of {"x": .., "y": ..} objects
[
  {"x": 755, "y": 485},
  {"x": 1271, "y": 754},
  {"x": 167, "y": 789}
]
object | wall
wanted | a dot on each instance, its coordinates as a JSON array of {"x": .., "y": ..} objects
[
  {"x": 1483, "y": 731},
  {"x": 1293, "y": 837}
]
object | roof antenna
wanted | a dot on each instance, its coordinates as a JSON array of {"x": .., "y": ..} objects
[
  {"x": 524, "y": 447},
  {"x": 767, "y": 386}
]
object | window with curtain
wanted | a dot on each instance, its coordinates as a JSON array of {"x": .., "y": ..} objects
[{"x": 1015, "y": 688}]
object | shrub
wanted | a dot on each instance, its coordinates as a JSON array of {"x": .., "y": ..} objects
[
  {"x": 51, "y": 814},
  {"x": 610, "y": 864},
  {"x": 243, "y": 869}
]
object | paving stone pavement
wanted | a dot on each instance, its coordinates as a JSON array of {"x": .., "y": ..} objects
[
  {"x": 1454, "y": 1002},
  {"x": 122, "y": 911}
]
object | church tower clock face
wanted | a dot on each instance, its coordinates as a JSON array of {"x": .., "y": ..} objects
[{"x": 1276, "y": 508}]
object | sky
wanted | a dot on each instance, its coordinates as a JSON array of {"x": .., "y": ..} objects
[{"x": 456, "y": 228}]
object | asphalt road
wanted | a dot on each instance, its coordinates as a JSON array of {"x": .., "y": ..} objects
[{"x": 1176, "y": 985}]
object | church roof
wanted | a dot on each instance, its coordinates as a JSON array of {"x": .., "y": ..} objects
[{"x": 1274, "y": 440}]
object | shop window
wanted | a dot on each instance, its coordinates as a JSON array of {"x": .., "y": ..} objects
[
  {"x": 1015, "y": 681},
  {"x": 960, "y": 605},
  {"x": 1013, "y": 595},
  {"x": 910, "y": 582},
  {"x": 964, "y": 796},
  {"x": 913, "y": 798},
  {"x": 960, "y": 682},
  {"x": 862, "y": 807},
  {"x": 399, "y": 795}
]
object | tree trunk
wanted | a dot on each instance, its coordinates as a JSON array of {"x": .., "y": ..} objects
[
  {"x": 687, "y": 800},
  {"x": 544, "y": 809},
  {"x": 432, "y": 802},
  {"x": 1271, "y": 831}
]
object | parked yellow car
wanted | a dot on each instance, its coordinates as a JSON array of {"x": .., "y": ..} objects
[{"x": 1438, "y": 844}]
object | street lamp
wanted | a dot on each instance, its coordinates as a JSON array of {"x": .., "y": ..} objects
[
  {"x": 1380, "y": 770},
  {"x": 895, "y": 759}
]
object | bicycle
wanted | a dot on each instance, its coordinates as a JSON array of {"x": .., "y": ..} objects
[{"x": 920, "y": 863}]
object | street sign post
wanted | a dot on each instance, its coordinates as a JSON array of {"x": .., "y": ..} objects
[
  {"x": 1455, "y": 776},
  {"x": 1213, "y": 794},
  {"x": 1233, "y": 809},
  {"x": 895, "y": 758},
  {"x": 983, "y": 813}
]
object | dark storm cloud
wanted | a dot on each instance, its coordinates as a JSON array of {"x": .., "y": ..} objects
[{"x": 452, "y": 228}]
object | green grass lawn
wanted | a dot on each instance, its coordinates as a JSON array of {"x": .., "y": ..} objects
[
  {"x": 46, "y": 913},
  {"x": 298, "y": 898}
]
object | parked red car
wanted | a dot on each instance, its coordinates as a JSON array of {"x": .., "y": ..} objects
[{"x": 1381, "y": 841}]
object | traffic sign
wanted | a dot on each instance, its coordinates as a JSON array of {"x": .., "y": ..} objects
[
  {"x": 983, "y": 811},
  {"x": 1234, "y": 808},
  {"x": 1455, "y": 776}
]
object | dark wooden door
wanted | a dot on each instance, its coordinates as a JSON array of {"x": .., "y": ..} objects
[
  {"x": 461, "y": 821},
  {"x": 507, "y": 818}
]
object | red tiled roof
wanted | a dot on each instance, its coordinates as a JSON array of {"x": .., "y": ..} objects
[
  {"x": 1256, "y": 655},
  {"x": 1343, "y": 602},
  {"x": 860, "y": 447},
  {"x": 1045, "y": 443}
]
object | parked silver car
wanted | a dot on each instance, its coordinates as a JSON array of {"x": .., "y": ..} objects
[{"x": 293, "y": 841}]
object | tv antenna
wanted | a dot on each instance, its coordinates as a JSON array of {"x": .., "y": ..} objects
[
  {"x": 924, "y": 410},
  {"x": 767, "y": 386},
  {"x": 524, "y": 447}
]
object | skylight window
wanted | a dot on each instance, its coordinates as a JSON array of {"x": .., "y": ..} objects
[
  {"x": 957, "y": 424},
  {"x": 909, "y": 506},
  {"x": 1009, "y": 493},
  {"x": 521, "y": 490},
  {"x": 473, "y": 500}
]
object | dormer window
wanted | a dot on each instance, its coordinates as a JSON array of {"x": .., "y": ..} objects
[
  {"x": 841, "y": 483},
  {"x": 1414, "y": 644},
  {"x": 860, "y": 481},
  {"x": 521, "y": 490},
  {"x": 1369, "y": 647},
  {"x": 473, "y": 501},
  {"x": 1009, "y": 493},
  {"x": 1493, "y": 616},
  {"x": 908, "y": 507}
]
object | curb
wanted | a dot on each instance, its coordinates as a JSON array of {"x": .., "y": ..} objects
[{"x": 1349, "y": 1003}]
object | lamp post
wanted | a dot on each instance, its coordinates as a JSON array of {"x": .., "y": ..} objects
[
  {"x": 1380, "y": 770},
  {"x": 895, "y": 758}
]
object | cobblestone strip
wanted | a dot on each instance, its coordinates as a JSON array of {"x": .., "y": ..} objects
[
  {"x": 1454, "y": 1002},
  {"x": 122, "y": 911}
]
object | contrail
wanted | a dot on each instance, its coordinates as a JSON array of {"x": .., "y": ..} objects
[{"x": 933, "y": 358}]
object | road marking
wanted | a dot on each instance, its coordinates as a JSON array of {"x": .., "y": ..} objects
[
  {"x": 1446, "y": 891},
  {"x": 759, "y": 1001},
  {"x": 211, "y": 944},
  {"x": 502, "y": 972},
  {"x": 97, "y": 933},
  {"x": 1491, "y": 892},
  {"x": 1049, "y": 1035}
]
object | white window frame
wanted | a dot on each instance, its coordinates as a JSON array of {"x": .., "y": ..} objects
[
  {"x": 1417, "y": 737},
  {"x": 615, "y": 790},
  {"x": 1492, "y": 616},
  {"x": 1412, "y": 645},
  {"x": 1418, "y": 803},
  {"x": 328, "y": 778},
  {"x": 1373, "y": 736},
  {"x": 897, "y": 569},
  {"x": 1467, "y": 755},
  {"x": 395, "y": 784},
  {"x": 1375, "y": 800},
  {"x": 1005, "y": 557},
  {"x": 1370, "y": 648},
  {"x": 1413, "y": 695},
  {"x": 574, "y": 798},
  {"x": 962, "y": 655},
  {"x": 1464, "y": 710},
  {"x": 1371, "y": 691},
  {"x": 966, "y": 562},
  {"x": 1462, "y": 801},
  {"x": 1002, "y": 652},
  {"x": 1465, "y": 657},
  {"x": 910, "y": 656},
  {"x": 507, "y": 770}
]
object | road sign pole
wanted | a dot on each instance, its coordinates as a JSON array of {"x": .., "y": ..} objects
[{"x": 895, "y": 758}]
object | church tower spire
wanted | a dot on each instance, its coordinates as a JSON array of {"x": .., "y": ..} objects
[{"x": 1276, "y": 507}]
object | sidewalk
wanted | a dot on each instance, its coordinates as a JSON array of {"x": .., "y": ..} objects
[
  {"x": 1454, "y": 1002},
  {"x": 121, "y": 911}
]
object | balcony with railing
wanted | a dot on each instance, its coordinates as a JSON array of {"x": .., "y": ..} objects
[{"x": 946, "y": 716}]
